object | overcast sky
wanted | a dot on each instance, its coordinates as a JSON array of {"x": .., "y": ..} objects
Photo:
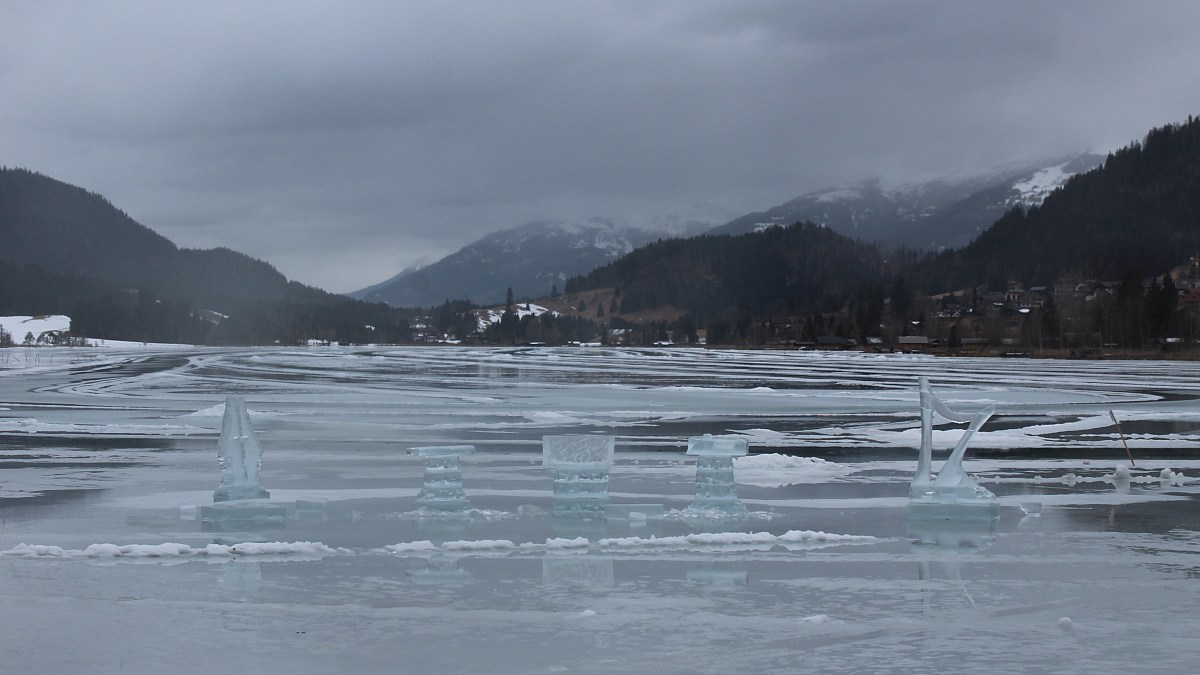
[{"x": 342, "y": 141}]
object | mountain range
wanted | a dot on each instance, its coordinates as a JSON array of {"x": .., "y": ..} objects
[
  {"x": 535, "y": 259},
  {"x": 943, "y": 213}
]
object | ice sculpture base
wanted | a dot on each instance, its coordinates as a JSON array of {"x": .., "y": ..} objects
[
  {"x": 230, "y": 493},
  {"x": 964, "y": 510},
  {"x": 238, "y": 515}
]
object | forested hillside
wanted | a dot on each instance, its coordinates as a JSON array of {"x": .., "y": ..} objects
[
  {"x": 69, "y": 251},
  {"x": 795, "y": 270},
  {"x": 1138, "y": 213}
]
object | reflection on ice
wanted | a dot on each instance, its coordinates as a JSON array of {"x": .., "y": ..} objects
[
  {"x": 719, "y": 575},
  {"x": 577, "y": 571},
  {"x": 440, "y": 571},
  {"x": 241, "y": 580},
  {"x": 951, "y": 527}
]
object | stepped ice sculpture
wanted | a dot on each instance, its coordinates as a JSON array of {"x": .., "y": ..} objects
[
  {"x": 952, "y": 486},
  {"x": 714, "y": 473},
  {"x": 239, "y": 455},
  {"x": 581, "y": 465},
  {"x": 442, "y": 489}
]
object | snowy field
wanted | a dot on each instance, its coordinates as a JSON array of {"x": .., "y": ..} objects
[{"x": 107, "y": 455}]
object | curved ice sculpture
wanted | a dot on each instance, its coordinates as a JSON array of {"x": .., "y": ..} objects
[
  {"x": 952, "y": 485},
  {"x": 239, "y": 455}
]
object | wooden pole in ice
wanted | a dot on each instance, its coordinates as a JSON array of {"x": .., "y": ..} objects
[{"x": 1118, "y": 425}]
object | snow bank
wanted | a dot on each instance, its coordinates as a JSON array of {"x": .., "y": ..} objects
[
  {"x": 687, "y": 541},
  {"x": 775, "y": 470},
  {"x": 174, "y": 550}
]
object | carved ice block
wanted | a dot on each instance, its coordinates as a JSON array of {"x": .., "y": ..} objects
[
  {"x": 581, "y": 464},
  {"x": 442, "y": 489},
  {"x": 952, "y": 484},
  {"x": 714, "y": 472},
  {"x": 239, "y": 455}
]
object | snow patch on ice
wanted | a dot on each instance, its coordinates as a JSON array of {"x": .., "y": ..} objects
[
  {"x": 775, "y": 470},
  {"x": 688, "y": 541},
  {"x": 175, "y": 550}
]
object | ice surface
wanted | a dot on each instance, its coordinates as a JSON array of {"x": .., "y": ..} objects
[
  {"x": 442, "y": 489},
  {"x": 952, "y": 485},
  {"x": 634, "y": 512},
  {"x": 581, "y": 464},
  {"x": 109, "y": 470},
  {"x": 239, "y": 455}
]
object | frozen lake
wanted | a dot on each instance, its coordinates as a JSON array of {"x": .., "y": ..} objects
[{"x": 105, "y": 455}]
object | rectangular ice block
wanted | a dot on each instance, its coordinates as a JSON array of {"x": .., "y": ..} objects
[
  {"x": 717, "y": 446},
  {"x": 578, "y": 452}
]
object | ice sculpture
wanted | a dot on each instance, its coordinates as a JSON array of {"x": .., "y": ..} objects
[
  {"x": 952, "y": 485},
  {"x": 442, "y": 489},
  {"x": 714, "y": 473},
  {"x": 239, "y": 455},
  {"x": 581, "y": 465}
]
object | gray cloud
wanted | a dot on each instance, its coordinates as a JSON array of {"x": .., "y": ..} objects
[{"x": 343, "y": 141}]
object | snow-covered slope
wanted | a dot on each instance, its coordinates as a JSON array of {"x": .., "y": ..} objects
[
  {"x": 532, "y": 260},
  {"x": 21, "y": 327},
  {"x": 948, "y": 212}
]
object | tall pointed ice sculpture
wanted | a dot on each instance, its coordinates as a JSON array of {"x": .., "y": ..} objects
[
  {"x": 714, "y": 473},
  {"x": 581, "y": 465},
  {"x": 952, "y": 485},
  {"x": 239, "y": 455},
  {"x": 442, "y": 489}
]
